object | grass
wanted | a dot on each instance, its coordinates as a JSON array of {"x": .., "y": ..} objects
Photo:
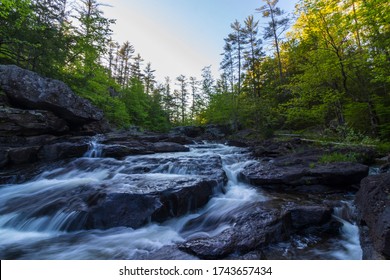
[{"x": 338, "y": 157}]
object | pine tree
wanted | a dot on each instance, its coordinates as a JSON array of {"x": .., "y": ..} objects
[{"x": 276, "y": 27}]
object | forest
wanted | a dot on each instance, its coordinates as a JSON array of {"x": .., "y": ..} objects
[{"x": 328, "y": 74}]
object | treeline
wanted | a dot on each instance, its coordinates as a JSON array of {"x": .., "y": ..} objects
[
  {"x": 71, "y": 41},
  {"x": 329, "y": 74}
]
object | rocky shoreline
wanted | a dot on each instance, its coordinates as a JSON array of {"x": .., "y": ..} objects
[{"x": 43, "y": 122}]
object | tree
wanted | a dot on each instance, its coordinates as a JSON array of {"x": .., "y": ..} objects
[
  {"x": 124, "y": 55},
  {"x": 207, "y": 84},
  {"x": 196, "y": 98},
  {"x": 136, "y": 67},
  {"x": 237, "y": 40},
  {"x": 149, "y": 78},
  {"x": 93, "y": 32},
  {"x": 276, "y": 27},
  {"x": 253, "y": 54},
  {"x": 182, "y": 96}
]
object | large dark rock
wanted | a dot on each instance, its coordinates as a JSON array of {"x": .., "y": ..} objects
[
  {"x": 28, "y": 90},
  {"x": 146, "y": 199},
  {"x": 23, "y": 155},
  {"x": 256, "y": 226},
  {"x": 279, "y": 177},
  {"x": 373, "y": 202},
  {"x": 62, "y": 150},
  {"x": 29, "y": 122}
]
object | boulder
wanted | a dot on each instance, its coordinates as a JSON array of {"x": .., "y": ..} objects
[
  {"x": 305, "y": 216},
  {"x": 373, "y": 203},
  {"x": 256, "y": 226},
  {"x": 335, "y": 175},
  {"x": 28, "y": 90},
  {"x": 29, "y": 122}
]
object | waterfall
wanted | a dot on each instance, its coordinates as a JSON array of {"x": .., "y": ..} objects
[
  {"x": 350, "y": 242},
  {"x": 95, "y": 148}
]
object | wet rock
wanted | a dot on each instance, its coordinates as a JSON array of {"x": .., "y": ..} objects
[
  {"x": 29, "y": 122},
  {"x": 373, "y": 202},
  {"x": 166, "y": 253},
  {"x": 189, "y": 131},
  {"x": 306, "y": 216},
  {"x": 338, "y": 175},
  {"x": 28, "y": 90},
  {"x": 62, "y": 150},
  {"x": 168, "y": 147},
  {"x": 258, "y": 225},
  {"x": 23, "y": 155},
  {"x": 216, "y": 132},
  {"x": 3, "y": 157},
  {"x": 124, "y": 150}
]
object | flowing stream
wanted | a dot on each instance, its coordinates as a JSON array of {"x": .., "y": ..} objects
[{"x": 26, "y": 235}]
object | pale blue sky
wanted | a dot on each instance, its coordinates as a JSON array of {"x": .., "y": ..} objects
[{"x": 180, "y": 36}]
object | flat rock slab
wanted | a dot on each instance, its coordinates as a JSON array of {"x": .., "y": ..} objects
[
  {"x": 340, "y": 174},
  {"x": 29, "y": 122}
]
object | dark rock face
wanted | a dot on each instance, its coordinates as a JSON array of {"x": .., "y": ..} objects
[
  {"x": 62, "y": 150},
  {"x": 23, "y": 155},
  {"x": 256, "y": 226},
  {"x": 279, "y": 177},
  {"x": 3, "y": 157},
  {"x": 150, "y": 201},
  {"x": 373, "y": 202},
  {"x": 31, "y": 91},
  {"x": 306, "y": 216},
  {"x": 29, "y": 122}
]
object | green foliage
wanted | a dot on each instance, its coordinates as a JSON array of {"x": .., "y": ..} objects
[
  {"x": 338, "y": 157},
  {"x": 383, "y": 148}
]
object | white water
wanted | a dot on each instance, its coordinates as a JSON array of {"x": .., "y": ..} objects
[{"x": 24, "y": 236}]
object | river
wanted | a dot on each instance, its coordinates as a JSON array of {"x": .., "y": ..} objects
[{"x": 29, "y": 231}]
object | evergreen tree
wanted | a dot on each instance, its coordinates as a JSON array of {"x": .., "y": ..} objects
[
  {"x": 149, "y": 78},
  {"x": 182, "y": 97},
  {"x": 276, "y": 27},
  {"x": 253, "y": 54}
]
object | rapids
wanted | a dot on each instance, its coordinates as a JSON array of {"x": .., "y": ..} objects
[{"x": 30, "y": 229}]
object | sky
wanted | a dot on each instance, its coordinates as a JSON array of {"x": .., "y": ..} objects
[{"x": 180, "y": 36}]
